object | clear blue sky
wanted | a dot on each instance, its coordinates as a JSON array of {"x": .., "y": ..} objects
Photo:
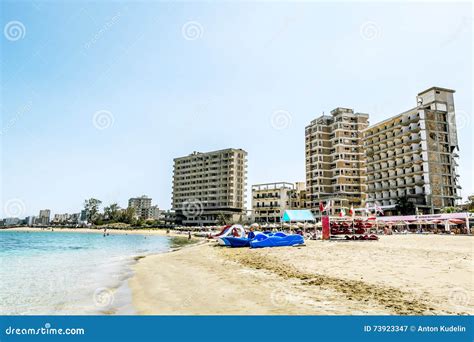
[{"x": 170, "y": 94}]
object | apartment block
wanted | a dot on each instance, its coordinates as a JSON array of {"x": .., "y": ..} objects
[
  {"x": 270, "y": 200},
  {"x": 335, "y": 159},
  {"x": 299, "y": 197},
  {"x": 413, "y": 155},
  {"x": 143, "y": 208},
  {"x": 44, "y": 216},
  {"x": 209, "y": 188}
]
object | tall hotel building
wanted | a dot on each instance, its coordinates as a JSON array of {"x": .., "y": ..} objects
[
  {"x": 335, "y": 159},
  {"x": 210, "y": 187},
  {"x": 413, "y": 155}
]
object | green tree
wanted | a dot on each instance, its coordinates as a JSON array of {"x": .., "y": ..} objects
[
  {"x": 111, "y": 213},
  {"x": 404, "y": 206},
  {"x": 127, "y": 215},
  {"x": 470, "y": 203},
  {"x": 449, "y": 210},
  {"x": 91, "y": 206}
]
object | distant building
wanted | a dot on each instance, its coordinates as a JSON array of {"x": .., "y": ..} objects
[
  {"x": 75, "y": 218},
  {"x": 270, "y": 200},
  {"x": 143, "y": 208},
  {"x": 169, "y": 216},
  {"x": 11, "y": 221},
  {"x": 413, "y": 154},
  {"x": 209, "y": 188},
  {"x": 30, "y": 220},
  {"x": 44, "y": 217},
  {"x": 336, "y": 160},
  {"x": 60, "y": 218},
  {"x": 155, "y": 213},
  {"x": 83, "y": 216}
]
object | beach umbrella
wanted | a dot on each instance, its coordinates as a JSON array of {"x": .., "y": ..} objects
[{"x": 457, "y": 221}]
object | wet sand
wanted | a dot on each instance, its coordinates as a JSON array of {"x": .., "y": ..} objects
[{"x": 402, "y": 274}]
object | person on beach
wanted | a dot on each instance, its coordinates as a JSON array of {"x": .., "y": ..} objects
[
  {"x": 189, "y": 235},
  {"x": 251, "y": 233}
]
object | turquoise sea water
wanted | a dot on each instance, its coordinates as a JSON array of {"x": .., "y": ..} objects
[{"x": 69, "y": 273}]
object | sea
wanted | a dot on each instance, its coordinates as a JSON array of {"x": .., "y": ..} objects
[{"x": 69, "y": 273}]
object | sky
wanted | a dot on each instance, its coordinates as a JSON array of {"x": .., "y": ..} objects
[{"x": 97, "y": 98}]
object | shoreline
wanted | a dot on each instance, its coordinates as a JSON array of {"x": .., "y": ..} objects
[
  {"x": 140, "y": 231},
  {"x": 120, "y": 292},
  {"x": 399, "y": 275}
]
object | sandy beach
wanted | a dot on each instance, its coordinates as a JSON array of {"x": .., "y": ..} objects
[{"x": 400, "y": 274}]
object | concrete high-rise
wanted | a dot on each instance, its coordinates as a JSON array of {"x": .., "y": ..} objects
[
  {"x": 209, "y": 188},
  {"x": 335, "y": 159},
  {"x": 413, "y": 155}
]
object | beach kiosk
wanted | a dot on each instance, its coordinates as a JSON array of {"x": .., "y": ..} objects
[{"x": 298, "y": 216}]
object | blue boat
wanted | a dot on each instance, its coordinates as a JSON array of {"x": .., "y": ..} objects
[
  {"x": 276, "y": 240},
  {"x": 231, "y": 241}
]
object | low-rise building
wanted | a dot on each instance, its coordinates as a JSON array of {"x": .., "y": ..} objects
[
  {"x": 11, "y": 221},
  {"x": 60, "y": 218},
  {"x": 299, "y": 197},
  {"x": 270, "y": 200}
]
